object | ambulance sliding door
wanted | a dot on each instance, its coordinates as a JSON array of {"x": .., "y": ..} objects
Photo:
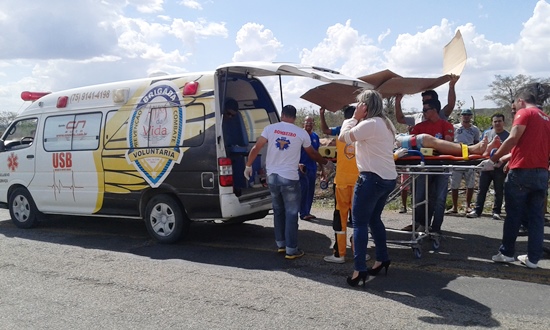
[{"x": 67, "y": 175}]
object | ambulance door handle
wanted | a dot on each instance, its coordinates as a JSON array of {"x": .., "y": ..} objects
[{"x": 30, "y": 156}]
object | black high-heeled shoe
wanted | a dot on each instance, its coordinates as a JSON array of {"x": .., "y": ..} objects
[
  {"x": 362, "y": 276},
  {"x": 384, "y": 264}
]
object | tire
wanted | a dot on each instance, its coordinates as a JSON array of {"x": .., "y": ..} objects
[
  {"x": 165, "y": 220},
  {"x": 23, "y": 211}
]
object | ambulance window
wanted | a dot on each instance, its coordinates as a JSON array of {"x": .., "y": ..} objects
[
  {"x": 86, "y": 131},
  {"x": 255, "y": 120},
  {"x": 20, "y": 134},
  {"x": 194, "y": 125},
  {"x": 72, "y": 132}
]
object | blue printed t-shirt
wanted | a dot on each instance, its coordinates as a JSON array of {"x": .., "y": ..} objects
[{"x": 309, "y": 163}]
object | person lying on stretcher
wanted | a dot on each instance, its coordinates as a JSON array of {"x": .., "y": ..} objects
[{"x": 416, "y": 142}]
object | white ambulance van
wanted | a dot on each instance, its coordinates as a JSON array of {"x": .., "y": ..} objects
[{"x": 155, "y": 149}]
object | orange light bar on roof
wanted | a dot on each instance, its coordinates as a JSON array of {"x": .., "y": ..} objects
[
  {"x": 190, "y": 88},
  {"x": 32, "y": 96}
]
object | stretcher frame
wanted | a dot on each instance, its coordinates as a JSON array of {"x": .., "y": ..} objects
[{"x": 414, "y": 169}]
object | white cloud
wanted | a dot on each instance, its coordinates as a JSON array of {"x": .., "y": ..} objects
[
  {"x": 65, "y": 32},
  {"x": 256, "y": 44},
  {"x": 383, "y": 36},
  {"x": 191, "y": 4},
  {"x": 420, "y": 54},
  {"x": 344, "y": 49},
  {"x": 148, "y": 6},
  {"x": 101, "y": 41},
  {"x": 533, "y": 47},
  {"x": 188, "y": 32}
]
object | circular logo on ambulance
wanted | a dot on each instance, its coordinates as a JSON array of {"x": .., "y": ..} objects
[{"x": 155, "y": 132}]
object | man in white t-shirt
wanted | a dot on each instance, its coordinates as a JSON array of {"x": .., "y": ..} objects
[{"x": 284, "y": 143}]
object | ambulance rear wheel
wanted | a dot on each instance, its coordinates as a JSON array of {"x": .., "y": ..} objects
[
  {"x": 165, "y": 220},
  {"x": 23, "y": 211}
]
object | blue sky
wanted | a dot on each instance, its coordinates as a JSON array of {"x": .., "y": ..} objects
[{"x": 58, "y": 44}]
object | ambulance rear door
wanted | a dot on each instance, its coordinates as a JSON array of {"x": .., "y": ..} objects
[{"x": 249, "y": 200}]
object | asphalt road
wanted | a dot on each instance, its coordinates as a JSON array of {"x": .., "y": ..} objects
[{"x": 92, "y": 273}]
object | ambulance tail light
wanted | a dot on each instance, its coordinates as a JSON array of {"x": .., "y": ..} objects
[
  {"x": 62, "y": 102},
  {"x": 32, "y": 96},
  {"x": 225, "y": 169},
  {"x": 190, "y": 88}
]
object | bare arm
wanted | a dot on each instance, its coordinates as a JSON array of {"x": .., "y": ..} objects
[
  {"x": 345, "y": 135},
  {"x": 398, "y": 111},
  {"x": 260, "y": 143},
  {"x": 515, "y": 134},
  {"x": 315, "y": 155},
  {"x": 506, "y": 157},
  {"x": 324, "y": 126},
  {"x": 451, "y": 97}
]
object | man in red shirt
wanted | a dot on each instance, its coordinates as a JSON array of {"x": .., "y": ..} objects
[
  {"x": 525, "y": 188},
  {"x": 437, "y": 184}
]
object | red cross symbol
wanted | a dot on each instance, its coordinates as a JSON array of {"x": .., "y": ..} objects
[{"x": 12, "y": 162}]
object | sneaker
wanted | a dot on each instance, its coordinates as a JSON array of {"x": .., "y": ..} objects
[
  {"x": 299, "y": 253},
  {"x": 403, "y": 210},
  {"x": 497, "y": 216},
  {"x": 334, "y": 260},
  {"x": 524, "y": 260},
  {"x": 502, "y": 258},
  {"x": 451, "y": 211},
  {"x": 474, "y": 214},
  {"x": 281, "y": 250}
]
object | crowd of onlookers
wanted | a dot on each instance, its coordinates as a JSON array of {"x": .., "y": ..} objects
[{"x": 516, "y": 162}]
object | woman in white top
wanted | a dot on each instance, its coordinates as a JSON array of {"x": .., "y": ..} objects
[{"x": 373, "y": 134}]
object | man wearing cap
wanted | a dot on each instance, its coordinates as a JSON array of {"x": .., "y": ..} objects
[{"x": 468, "y": 134}]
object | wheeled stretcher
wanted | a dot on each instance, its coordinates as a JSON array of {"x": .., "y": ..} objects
[{"x": 415, "y": 165}]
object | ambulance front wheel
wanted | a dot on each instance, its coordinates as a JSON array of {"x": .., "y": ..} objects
[
  {"x": 23, "y": 211},
  {"x": 165, "y": 220}
]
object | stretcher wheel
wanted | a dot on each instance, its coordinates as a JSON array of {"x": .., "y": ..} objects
[
  {"x": 417, "y": 253},
  {"x": 436, "y": 243}
]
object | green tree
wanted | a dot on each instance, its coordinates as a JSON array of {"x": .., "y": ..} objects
[
  {"x": 482, "y": 122},
  {"x": 504, "y": 89},
  {"x": 6, "y": 117},
  {"x": 333, "y": 119}
]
